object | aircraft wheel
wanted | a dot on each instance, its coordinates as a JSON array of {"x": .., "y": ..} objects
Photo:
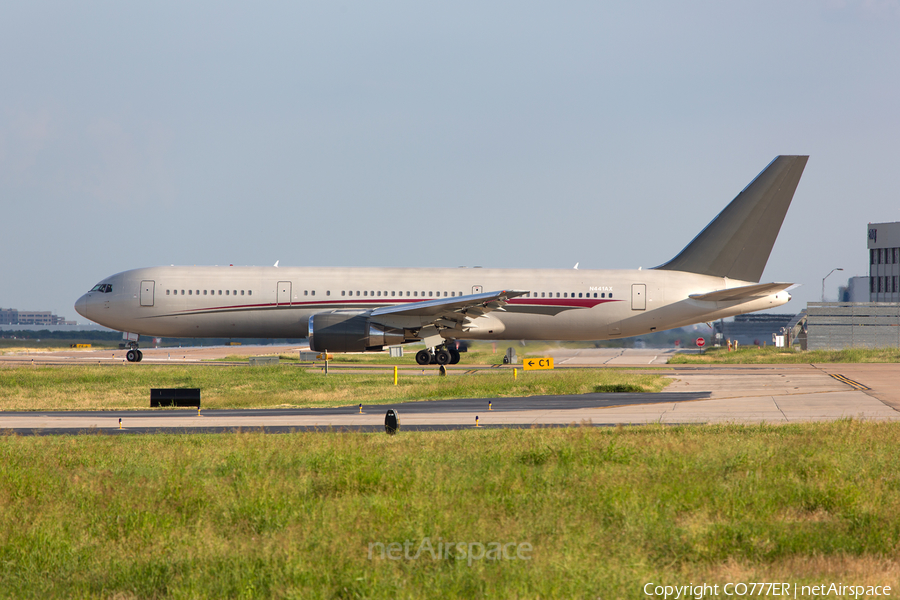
[
  {"x": 131, "y": 356},
  {"x": 442, "y": 357},
  {"x": 454, "y": 356},
  {"x": 423, "y": 357},
  {"x": 140, "y": 355}
]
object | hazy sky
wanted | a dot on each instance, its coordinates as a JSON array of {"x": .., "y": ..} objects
[{"x": 516, "y": 134}]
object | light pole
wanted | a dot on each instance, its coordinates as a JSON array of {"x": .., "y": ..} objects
[{"x": 826, "y": 277}]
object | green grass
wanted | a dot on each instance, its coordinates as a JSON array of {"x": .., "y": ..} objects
[
  {"x": 9, "y": 347},
  {"x": 477, "y": 357},
  {"x": 773, "y": 355},
  {"x": 127, "y": 386},
  {"x": 479, "y": 353},
  {"x": 294, "y": 515}
]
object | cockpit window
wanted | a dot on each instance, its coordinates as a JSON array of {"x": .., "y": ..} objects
[{"x": 103, "y": 288}]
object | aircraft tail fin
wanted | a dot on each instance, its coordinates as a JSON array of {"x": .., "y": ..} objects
[{"x": 737, "y": 243}]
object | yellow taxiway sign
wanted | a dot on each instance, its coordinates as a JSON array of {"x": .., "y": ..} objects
[{"x": 530, "y": 364}]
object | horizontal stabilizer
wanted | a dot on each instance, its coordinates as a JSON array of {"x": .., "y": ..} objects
[{"x": 745, "y": 292}]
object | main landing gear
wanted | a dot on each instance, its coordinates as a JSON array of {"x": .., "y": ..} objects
[
  {"x": 438, "y": 356},
  {"x": 134, "y": 355}
]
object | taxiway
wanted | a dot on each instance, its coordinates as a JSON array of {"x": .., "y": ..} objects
[{"x": 697, "y": 394}]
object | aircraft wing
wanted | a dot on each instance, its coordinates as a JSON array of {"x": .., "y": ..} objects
[
  {"x": 745, "y": 292},
  {"x": 456, "y": 309}
]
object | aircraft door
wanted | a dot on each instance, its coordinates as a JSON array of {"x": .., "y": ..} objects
[
  {"x": 147, "y": 289},
  {"x": 477, "y": 289},
  {"x": 638, "y": 296},
  {"x": 283, "y": 296}
]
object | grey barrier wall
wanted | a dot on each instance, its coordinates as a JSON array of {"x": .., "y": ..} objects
[{"x": 837, "y": 325}]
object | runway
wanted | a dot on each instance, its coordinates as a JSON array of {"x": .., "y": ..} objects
[{"x": 697, "y": 394}]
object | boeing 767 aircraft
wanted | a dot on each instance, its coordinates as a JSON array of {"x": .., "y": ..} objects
[{"x": 357, "y": 309}]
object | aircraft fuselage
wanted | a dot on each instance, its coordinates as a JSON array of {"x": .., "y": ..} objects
[{"x": 278, "y": 301}]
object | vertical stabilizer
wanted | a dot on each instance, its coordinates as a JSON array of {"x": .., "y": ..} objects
[{"x": 737, "y": 243}]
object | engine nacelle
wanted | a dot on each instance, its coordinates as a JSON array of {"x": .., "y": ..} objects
[{"x": 349, "y": 332}]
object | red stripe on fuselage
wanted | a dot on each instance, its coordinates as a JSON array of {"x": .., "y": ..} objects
[{"x": 370, "y": 303}]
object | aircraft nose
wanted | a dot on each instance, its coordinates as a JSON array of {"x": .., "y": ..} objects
[{"x": 81, "y": 306}]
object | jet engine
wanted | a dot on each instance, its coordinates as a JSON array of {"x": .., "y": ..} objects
[{"x": 350, "y": 332}]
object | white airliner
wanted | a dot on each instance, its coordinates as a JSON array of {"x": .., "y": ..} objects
[{"x": 357, "y": 309}]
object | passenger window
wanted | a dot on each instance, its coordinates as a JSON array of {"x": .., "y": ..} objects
[
  {"x": 226, "y": 292},
  {"x": 242, "y": 292},
  {"x": 249, "y": 292},
  {"x": 306, "y": 292},
  {"x": 314, "y": 292},
  {"x": 327, "y": 292},
  {"x": 167, "y": 292},
  {"x": 416, "y": 294}
]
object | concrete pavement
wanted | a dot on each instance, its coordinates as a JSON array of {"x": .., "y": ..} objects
[{"x": 698, "y": 394}]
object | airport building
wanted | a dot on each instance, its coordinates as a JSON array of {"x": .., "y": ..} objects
[
  {"x": 868, "y": 312},
  {"x": 13, "y": 316},
  {"x": 856, "y": 290},
  {"x": 884, "y": 262},
  {"x": 753, "y": 329}
]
